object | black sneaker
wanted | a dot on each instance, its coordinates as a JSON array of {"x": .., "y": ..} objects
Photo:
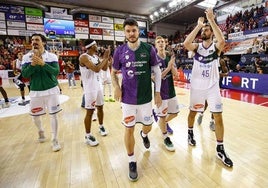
[
  {"x": 146, "y": 141},
  {"x": 191, "y": 140},
  {"x": 168, "y": 144},
  {"x": 223, "y": 156},
  {"x": 133, "y": 174}
]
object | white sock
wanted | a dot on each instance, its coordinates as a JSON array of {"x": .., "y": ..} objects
[
  {"x": 54, "y": 126},
  {"x": 165, "y": 135},
  {"x": 132, "y": 158},
  {"x": 143, "y": 135},
  {"x": 88, "y": 134},
  {"x": 38, "y": 123},
  {"x": 110, "y": 89}
]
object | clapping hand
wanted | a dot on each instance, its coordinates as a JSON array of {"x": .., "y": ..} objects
[
  {"x": 37, "y": 58},
  {"x": 200, "y": 21},
  {"x": 209, "y": 14}
]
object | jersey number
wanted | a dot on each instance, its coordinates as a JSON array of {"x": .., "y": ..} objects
[{"x": 205, "y": 73}]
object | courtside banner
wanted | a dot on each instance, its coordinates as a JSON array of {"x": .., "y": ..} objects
[{"x": 256, "y": 83}]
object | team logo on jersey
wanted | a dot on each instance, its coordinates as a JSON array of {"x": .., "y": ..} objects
[
  {"x": 130, "y": 73},
  {"x": 143, "y": 55},
  {"x": 127, "y": 57},
  {"x": 128, "y": 64},
  {"x": 218, "y": 106},
  {"x": 55, "y": 107},
  {"x": 147, "y": 118}
]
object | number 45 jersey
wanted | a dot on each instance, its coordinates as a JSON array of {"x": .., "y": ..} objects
[{"x": 205, "y": 72}]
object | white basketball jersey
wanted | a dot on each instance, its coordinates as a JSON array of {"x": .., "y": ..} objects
[
  {"x": 205, "y": 72},
  {"x": 91, "y": 80},
  {"x": 18, "y": 64}
]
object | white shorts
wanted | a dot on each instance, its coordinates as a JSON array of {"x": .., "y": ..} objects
[
  {"x": 211, "y": 95},
  {"x": 133, "y": 114},
  {"x": 168, "y": 106},
  {"x": 38, "y": 105},
  {"x": 93, "y": 99},
  {"x": 106, "y": 77}
]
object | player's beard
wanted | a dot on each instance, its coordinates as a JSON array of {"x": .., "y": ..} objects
[
  {"x": 205, "y": 37},
  {"x": 133, "y": 39}
]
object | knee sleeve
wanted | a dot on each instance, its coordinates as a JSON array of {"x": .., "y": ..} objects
[{"x": 20, "y": 84}]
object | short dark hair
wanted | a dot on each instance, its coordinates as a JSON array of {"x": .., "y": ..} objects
[
  {"x": 43, "y": 38},
  {"x": 131, "y": 22},
  {"x": 164, "y": 36}
]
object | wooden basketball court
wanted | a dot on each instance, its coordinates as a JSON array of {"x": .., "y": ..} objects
[{"x": 26, "y": 163}]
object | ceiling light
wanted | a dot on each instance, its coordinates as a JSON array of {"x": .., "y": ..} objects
[
  {"x": 172, "y": 4},
  {"x": 162, "y": 10}
]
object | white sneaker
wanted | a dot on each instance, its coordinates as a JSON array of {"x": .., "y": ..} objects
[
  {"x": 6, "y": 105},
  {"x": 22, "y": 102},
  {"x": 91, "y": 140},
  {"x": 42, "y": 137},
  {"x": 55, "y": 145},
  {"x": 102, "y": 131}
]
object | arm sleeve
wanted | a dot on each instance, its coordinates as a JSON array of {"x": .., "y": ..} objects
[
  {"x": 52, "y": 68},
  {"x": 28, "y": 70},
  {"x": 157, "y": 77}
]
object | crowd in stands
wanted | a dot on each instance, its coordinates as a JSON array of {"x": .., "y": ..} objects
[
  {"x": 9, "y": 47},
  {"x": 249, "y": 19}
]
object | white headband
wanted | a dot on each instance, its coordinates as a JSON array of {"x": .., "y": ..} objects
[{"x": 91, "y": 44}]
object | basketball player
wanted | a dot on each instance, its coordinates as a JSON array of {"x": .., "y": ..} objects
[
  {"x": 223, "y": 70},
  {"x": 136, "y": 60},
  {"x": 170, "y": 107},
  {"x": 19, "y": 81},
  {"x": 205, "y": 79},
  {"x": 42, "y": 68},
  {"x": 90, "y": 66}
]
